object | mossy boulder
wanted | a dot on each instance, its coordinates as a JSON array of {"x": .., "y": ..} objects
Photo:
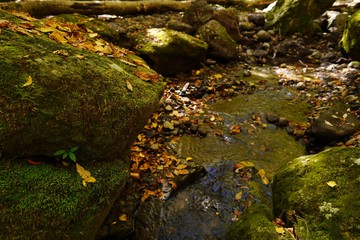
[
  {"x": 170, "y": 52},
  {"x": 350, "y": 42},
  {"x": 322, "y": 190},
  {"x": 54, "y": 96},
  {"x": 48, "y": 201},
  {"x": 291, "y": 16},
  {"x": 255, "y": 223},
  {"x": 221, "y": 45}
]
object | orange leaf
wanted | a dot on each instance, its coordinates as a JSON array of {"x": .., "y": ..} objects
[{"x": 148, "y": 76}]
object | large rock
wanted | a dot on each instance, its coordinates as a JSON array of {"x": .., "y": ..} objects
[
  {"x": 292, "y": 16},
  {"x": 221, "y": 45},
  {"x": 350, "y": 42},
  {"x": 228, "y": 18},
  {"x": 322, "y": 190},
  {"x": 170, "y": 52},
  {"x": 54, "y": 96},
  {"x": 335, "y": 123}
]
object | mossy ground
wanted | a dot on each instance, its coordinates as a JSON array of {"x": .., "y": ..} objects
[{"x": 49, "y": 201}]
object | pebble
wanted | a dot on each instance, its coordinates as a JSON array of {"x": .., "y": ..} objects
[{"x": 263, "y": 36}]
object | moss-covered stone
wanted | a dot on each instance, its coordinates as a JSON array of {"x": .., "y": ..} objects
[
  {"x": 290, "y": 16},
  {"x": 256, "y": 223},
  {"x": 221, "y": 45},
  {"x": 322, "y": 189},
  {"x": 70, "y": 101},
  {"x": 170, "y": 51},
  {"x": 350, "y": 42},
  {"x": 48, "y": 201}
]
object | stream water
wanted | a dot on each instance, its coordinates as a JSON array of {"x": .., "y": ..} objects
[{"x": 207, "y": 208}]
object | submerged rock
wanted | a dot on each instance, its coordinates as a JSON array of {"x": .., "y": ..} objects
[
  {"x": 350, "y": 42},
  {"x": 171, "y": 52},
  {"x": 321, "y": 190},
  {"x": 292, "y": 16},
  {"x": 335, "y": 123}
]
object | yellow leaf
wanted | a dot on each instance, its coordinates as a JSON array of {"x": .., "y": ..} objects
[
  {"x": 80, "y": 56},
  {"x": 262, "y": 174},
  {"x": 58, "y": 37},
  {"x": 181, "y": 166},
  {"x": 242, "y": 165},
  {"x": 28, "y": 82},
  {"x": 328, "y": 123},
  {"x": 189, "y": 159},
  {"x": 238, "y": 196},
  {"x": 85, "y": 175},
  {"x": 212, "y": 118},
  {"x": 217, "y": 76},
  {"x": 47, "y": 29},
  {"x": 280, "y": 230},
  {"x": 331, "y": 184},
  {"x": 135, "y": 175},
  {"x": 129, "y": 86},
  {"x": 92, "y": 35},
  {"x": 123, "y": 217}
]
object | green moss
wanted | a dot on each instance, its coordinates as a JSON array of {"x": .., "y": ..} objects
[
  {"x": 255, "y": 224},
  {"x": 48, "y": 200},
  {"x": 351, "y": 37},
  {"x": 332, "y": 212}
]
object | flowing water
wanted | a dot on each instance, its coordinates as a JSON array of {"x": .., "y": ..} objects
[{"x": 206, "y": 209}]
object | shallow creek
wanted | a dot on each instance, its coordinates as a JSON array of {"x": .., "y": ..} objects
[{"x": 206, "y": 209}]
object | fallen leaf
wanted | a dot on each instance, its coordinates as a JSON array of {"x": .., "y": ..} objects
[
  {"x": 85, "y": 175},
  {"x": 181, "y": 166},
  {"x": 262, "y": 174},
  {"x": 34, "y": 163},
  {"x": 238, "y": 196},
  {"x": 189, "y": 159},
  {"x": 28, "y": 82},
  {"x": 135, "y": 175},
  {"x": 129, "y": 86},
  {"x": 242, "y": 165},
  {"x": 236, "y": 129},
  {"x": 4, "y": 23},
  {"x": 123, "y": 217},
  {"x": 81, "y": 57},
  {"x": 331, "y": 184},
  {"x": 147, "y": 76},
  {"x": 280, "y": 230},
  {"x": 57, "y": 37},
  {"x": 328, "y": 123}
]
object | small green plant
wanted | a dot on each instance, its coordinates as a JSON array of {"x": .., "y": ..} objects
[{"x": 67, "y": 153}]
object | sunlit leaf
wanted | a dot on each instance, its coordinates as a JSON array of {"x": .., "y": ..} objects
[
  {"x": 58, "y": 37},
  {"x": 29, "y": 81},
  {"x": 262, "y": 174},
  {"x": 135, "y": 175},
  {"x": 236, "y": 129},
  {"x": 85, "y": 175},
  {"x": 328, "y": 123},
  {"x": 242, "y": 165},
  {"x": 331, "y": 184},
  {"x": 129, "y": 86},
  {"x": 148, "y": 76},
  {"x": 181, "y": 166},
  {"x": 238, "y": 196},
  {"x": 280, "y": 230},
  {"x": 123, "y": 217}
]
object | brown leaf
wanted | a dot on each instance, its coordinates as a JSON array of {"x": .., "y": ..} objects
[
  {"x": 236, "y": 129},
  {"x": 148, "y": 76}
]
